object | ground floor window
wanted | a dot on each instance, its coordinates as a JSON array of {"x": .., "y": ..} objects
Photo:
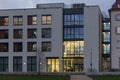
[
  {"x": 31, "y": 64},
  {"x": 73, "y": 64},
  {"x": 17, "y": 64},
  {"x": 52, "y": 64},
  {"x": 3, "y": 64}
]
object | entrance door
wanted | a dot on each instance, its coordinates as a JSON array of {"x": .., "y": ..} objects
[{"x": 78, "y": 67}]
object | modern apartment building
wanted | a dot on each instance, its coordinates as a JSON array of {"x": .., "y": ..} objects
[{"x": 56, "y": 38}]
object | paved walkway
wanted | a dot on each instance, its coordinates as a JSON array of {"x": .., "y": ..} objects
[{"x": 80, "y": 77}]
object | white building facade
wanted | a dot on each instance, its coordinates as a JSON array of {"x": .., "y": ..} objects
[{"x": 51, "y": 38}]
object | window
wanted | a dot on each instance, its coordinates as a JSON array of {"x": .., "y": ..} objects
[
  {"x": 32, "y": 20},
  {"x": 118, "y": 30},
  {"x": 17, "y": 47},
  {"x": 52, "y": 65},
  {"x": 118, "y": 17},
  {"x": 32, "y": 46},
  {"x": 106, "y": 26},
  {"x": 118, "y": 44},
  {"x": 31, "y": 64},
  {"x": 46, "y": 33},
  {"x": 3, "y": 34},
  {"x": 74, "y": 19},
  {"x": 73, "y": 48},
  {"x": 3, "y": 64},
  {"x": 18, "y": 33},
  {"x": 106, "y": 36},
  {"x": 17, "y": 20},
  {"x": 46, "y": 46},
  {"x": 32, "y": 33},
  {"x": 73, "y": 33},
  {"x": 4, "y": 21},
  {"x": 17, "y": 64},
  {"x": 3, "y": 47},
  {"x": 106, "y": 48},
  {"x": 46, "y": 19},
  {"x": 119, "y": 5}
]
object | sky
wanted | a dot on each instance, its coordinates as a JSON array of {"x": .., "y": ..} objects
[{"x": 16, "y": 4}]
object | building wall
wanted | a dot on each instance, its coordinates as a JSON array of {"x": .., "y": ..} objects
[
  {"x": 56, "y": 39},
  {"x": 92, "y": 21},
  {"x": 115, "y": 51}
]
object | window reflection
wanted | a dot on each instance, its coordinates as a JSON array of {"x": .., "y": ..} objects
[{"x": 74, "y": 19}]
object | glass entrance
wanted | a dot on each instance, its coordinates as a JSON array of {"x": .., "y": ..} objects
[{"x": 78, "y": 67}]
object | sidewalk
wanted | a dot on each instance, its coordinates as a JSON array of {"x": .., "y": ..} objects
[{"x": 80, "y": 77}]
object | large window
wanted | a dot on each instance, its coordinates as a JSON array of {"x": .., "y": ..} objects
[
  {"x": 106, "y": 36},
  {"x": 4, "y": 34},
  {"x": 32, "y": 33},
  {"x": 73, "y": 48},
  {"x": 73, "y": 33},
  {"x": 46, "y": 46},
  {"x": 32, "y": 20},
  {"x": 3, "y": 64},
  {"x": 118, "y": 17},
  {"x": 31, "y": 64},
  {"x": 17, "y": 64},
  {"x": 18, "y": 33},
  {"x": 46, "y": 19},
  {"x": 17, "y": 20},
  {"x": 52, "y": 64},
  {"x": 18, "y": 47},
  {"x": 32, "y": 46},
  {"x": 73, "y": 64},
  {"x": 4, "y": 21},
  {"x": 106, "y": 48},
  {"x": 3, "y": 47},
  {"x": 74, "y": 19},
  {"x": 46, "y": 33}
]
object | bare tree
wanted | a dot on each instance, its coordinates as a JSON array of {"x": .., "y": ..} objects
[{"x": 40, "y": 60}]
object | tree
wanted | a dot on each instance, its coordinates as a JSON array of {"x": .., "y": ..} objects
[{"x": 40, "y": 60}]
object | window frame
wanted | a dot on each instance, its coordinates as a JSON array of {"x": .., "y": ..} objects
[
  {"x": 47, "y": 46},
  {"x": 46, "y": 21},
  {"x": 46, "y": 33},
  {"x": 19, "y": 20},
  {"x": 30, "y": 20}
]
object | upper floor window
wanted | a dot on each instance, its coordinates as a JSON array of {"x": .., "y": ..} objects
[
  {"x": 3, "y": 34},
  {"x": 18, "y": 33},
  {"x": 32, "y": 33},
  {"x": 106, "y": 26},
  {"x": 3, "y": 47},
  {"x": 118, "y": 30},
  {"x": 32, "y": 20},
  {"x": 17, "y": 47},
  {"x": 17, "y": 20},
  {"x": 46, "y": 33},
  {"x": 32, "y": 46},
  {"x": 106, "y": 36},
  {"x": 4, "y": 21},
  {"x": 46, "y": 46},
  {"x": 118, "y": 17},
  {"x": 74, "y": 19},
  {"x": 46, "y": 19},
  {"x": 119, "y": 5},
  {"x": 73, "y": 33}
]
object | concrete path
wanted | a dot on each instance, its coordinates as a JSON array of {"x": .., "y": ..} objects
[{"x": 80, "y": 77}]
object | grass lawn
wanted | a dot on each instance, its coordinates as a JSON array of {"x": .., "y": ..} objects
[
  {"x": 105, "y": 77},
  {"x": 32, "y": 77}
]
